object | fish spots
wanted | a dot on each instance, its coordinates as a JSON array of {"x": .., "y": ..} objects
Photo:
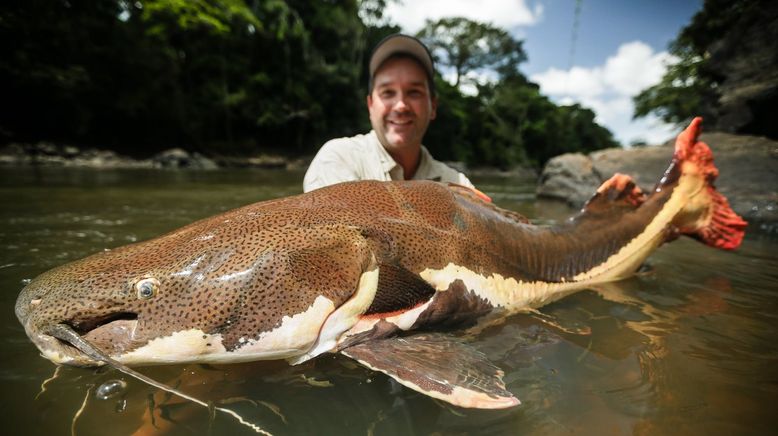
[
  {"x": 292, "y": 277},
  {"x": 294, "y": 335},
  {"x": 242, "y": 273}
]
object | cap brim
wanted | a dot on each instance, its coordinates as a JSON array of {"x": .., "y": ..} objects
[{"x": 394, "y": 44}]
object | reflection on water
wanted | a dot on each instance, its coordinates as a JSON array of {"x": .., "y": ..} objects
[{"x": 686, "y": 347}]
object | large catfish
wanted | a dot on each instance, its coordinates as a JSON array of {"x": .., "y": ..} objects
[{"x": 355, "y": 268}]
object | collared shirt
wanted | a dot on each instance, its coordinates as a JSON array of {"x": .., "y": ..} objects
[{"x": 362, "y": 157}]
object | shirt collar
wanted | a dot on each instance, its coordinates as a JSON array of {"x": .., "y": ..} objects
[
  {"x": 387, "y": 162},
  {"x": 425, "y": 171}
]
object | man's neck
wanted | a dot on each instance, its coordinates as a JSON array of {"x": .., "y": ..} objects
[{"x": 408, "y": 159}]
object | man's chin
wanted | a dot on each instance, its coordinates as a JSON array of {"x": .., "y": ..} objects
[{"x": 401, "y": 141}]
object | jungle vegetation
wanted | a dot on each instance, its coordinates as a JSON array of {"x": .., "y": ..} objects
[{"x": 237, "y": 77}]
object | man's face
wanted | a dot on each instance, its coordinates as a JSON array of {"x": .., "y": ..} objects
[{"x": 400, "y": 104}]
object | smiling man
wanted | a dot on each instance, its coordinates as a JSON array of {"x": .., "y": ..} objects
[{"x": 401, "y": 103}]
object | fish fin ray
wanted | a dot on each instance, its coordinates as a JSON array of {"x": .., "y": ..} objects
[
  {"x": 398, "y": 289},
  {"x": 712, "y": 221},
  {"x": 438, "y": 366},
  {"x": 616, "y": 193}
]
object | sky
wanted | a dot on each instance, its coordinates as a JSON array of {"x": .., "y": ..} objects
[{"x": 620, "y": 48}]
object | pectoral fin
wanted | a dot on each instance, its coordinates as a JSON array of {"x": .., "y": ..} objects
[{"x": 438, "y": 366}]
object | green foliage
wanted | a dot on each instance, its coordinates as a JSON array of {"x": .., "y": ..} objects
[
  {"x": 690, "y": 87},
  {"x": 509, "y": 122},
  {"x": 467, "y": 45},
  {"x": 215, "y": 16},
  {"x": 681, "y": 94},
  {"x": 236, "y": 76}
]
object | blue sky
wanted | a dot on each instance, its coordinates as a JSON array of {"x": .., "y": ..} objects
[{"x": 621, "y": 48}]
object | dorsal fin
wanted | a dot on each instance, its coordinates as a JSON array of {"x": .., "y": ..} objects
[
  {"x": 485, "y": 201},
  {"x": 471, "y": 192}
]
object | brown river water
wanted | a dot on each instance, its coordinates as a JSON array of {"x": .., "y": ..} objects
[{"x": 687, "y": 347}]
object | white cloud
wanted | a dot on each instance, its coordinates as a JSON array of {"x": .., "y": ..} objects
[
  {"x": 634, "y": 68},
  {"x": 608, "y": 90},
  {"x": 579, "y": 82},
  {"x": 410, "y": 14}
]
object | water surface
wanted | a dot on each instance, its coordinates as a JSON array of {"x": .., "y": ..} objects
[{"x": 685, "y": 348}]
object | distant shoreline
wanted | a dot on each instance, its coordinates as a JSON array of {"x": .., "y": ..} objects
[{"x": 58, "y": 155}]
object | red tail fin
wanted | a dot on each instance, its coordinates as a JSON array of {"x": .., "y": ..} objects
[{"x": 719, "y": 226}]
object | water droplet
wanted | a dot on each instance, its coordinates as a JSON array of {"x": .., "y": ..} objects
[
  {"x": 121, "y": 405},
  {"x": 110, "y": 389}
]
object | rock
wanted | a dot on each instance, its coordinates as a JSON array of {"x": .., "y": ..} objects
[
  {"x": 172, "y": 158},
  {"x": 267, "y": 161},
  {"x": 748, "y": 168},
  {"x": 13, "y": 154},
  {"x": 568, "y": 177},
  {"x": 46, "y": 149},
  {"x": 180, "y": 158},
  {"x": 203, "y": 163},
  {"x": 70, "y": 152},
  {"x": 92, "y": 158},
  {"x": 300, "y": 163}
]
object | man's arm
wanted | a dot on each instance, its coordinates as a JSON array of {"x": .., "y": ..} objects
[
  {"x": 330, "y": 166},
  {"x": 463, "y": 180}
]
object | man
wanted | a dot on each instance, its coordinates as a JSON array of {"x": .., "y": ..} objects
[{"x": 401, "y": 103}]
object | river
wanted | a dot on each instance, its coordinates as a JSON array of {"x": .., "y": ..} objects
[{"x": 687, "y": 347}]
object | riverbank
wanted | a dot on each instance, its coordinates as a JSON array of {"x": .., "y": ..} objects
[{"x": 50, "y": 154}]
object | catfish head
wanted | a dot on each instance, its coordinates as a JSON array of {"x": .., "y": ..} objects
[{"x": 255, "y": 283}]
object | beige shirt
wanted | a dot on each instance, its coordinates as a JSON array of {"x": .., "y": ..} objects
[{"x": 362, "y": 157}]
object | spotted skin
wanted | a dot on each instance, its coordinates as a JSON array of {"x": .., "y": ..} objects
[{"x": 361, "y": 261}]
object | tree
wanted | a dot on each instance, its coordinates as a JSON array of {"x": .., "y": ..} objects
[
  {"x": 685, "y": 91},
  {"x": 238, "y": 77},
  {"x": 468, "y": 46},
  {"x": 726, "y": 70}
]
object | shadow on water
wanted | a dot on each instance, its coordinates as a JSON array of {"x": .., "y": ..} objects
[{"x": 685, "y": 347}]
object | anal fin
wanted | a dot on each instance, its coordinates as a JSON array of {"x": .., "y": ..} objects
[{"x": 439, "y": 366}]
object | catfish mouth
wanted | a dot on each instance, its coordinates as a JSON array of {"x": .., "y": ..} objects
[
  {"x": 83, "y": 328},
  {"x": 109, "y": 335}
]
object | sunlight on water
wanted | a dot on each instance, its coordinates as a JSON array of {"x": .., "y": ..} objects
[{"x": 686, "y": 347}]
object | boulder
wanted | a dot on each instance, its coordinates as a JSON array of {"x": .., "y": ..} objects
[
  {"x": 569, "y": 177},
  {"x": 180, "y": 158}
]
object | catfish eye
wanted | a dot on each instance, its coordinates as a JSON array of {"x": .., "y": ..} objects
[{"x": 147, "y": 288}]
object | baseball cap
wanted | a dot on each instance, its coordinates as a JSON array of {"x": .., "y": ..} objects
[{"x": 399, "y": 43}]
